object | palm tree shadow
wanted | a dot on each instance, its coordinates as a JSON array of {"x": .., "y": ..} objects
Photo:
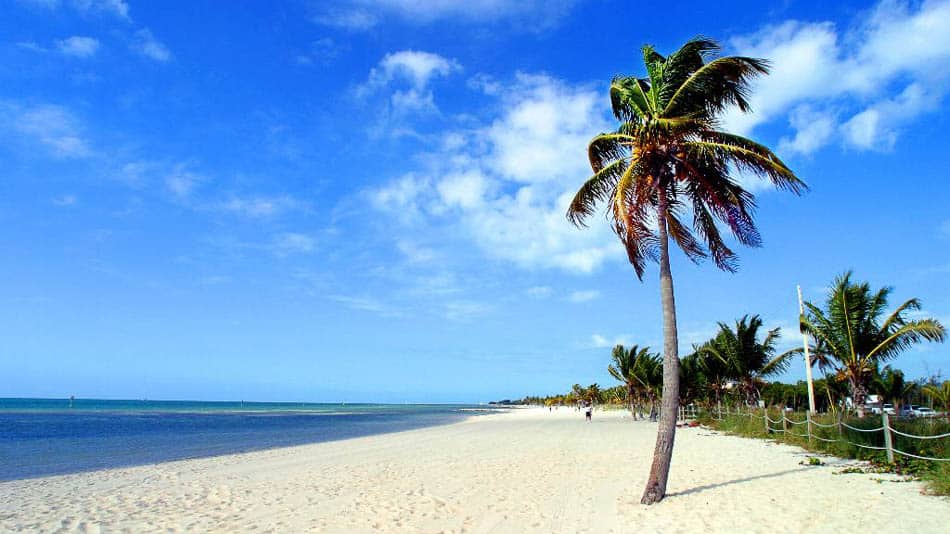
[{"x": 707, "y": 487}]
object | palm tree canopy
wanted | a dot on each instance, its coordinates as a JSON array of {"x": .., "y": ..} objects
[
  {"x": 668, "y": 149},
  {"x": 638, "y": 367},
  {"x": 852, "y": 333},
  {"x": 739, "y": 354},
  {"x": 891, "y": 385}
]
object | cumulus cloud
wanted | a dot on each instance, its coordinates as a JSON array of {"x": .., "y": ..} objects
[
  {"x": 410, "y": 71},
  {"x": 78, "y": 46},
  {"x": 833, "y": 83},
  {"x": 513, "y": 207},
  {"x": 360, "y": 15}
]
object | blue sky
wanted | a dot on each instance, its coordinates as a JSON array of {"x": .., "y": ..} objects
[{"x": 364, "y": 200}]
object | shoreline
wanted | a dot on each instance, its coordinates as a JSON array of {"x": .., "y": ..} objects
[{"x": 522, "y": 470}]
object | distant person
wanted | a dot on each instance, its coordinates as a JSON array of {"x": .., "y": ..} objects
[{"x": 588, "y": 413}]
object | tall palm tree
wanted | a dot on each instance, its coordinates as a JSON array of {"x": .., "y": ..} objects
[
  {"x": 892, "y": 387},
  {"x": 667, "y": 160},
  {"x": 852, "y": 335},
  {"x": 746, "y": 359}
]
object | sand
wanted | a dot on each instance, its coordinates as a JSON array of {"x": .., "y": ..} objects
[{"x": 525, "y": 471}]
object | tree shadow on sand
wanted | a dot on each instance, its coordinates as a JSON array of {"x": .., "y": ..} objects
[{"x": 707, "y": 487}]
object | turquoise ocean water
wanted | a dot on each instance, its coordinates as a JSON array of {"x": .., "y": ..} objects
[{"x": 40, "y": 437}]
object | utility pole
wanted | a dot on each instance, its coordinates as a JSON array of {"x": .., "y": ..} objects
[{"x": 811, "y": 387}]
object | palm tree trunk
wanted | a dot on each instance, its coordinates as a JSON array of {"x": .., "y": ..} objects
[
  {"x": 632, "y": 400},
  {"x": 666, "y": 430}
]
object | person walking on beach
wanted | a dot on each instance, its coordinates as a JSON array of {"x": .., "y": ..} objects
[{"x": 587, "y": 414}]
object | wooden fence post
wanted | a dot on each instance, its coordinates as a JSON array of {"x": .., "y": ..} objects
[
  {"x": 887, "y": 437},
  {"x": 784, "y": 423},
  {"x": 808, "y": 425},
  {"x": 765, "y": 418}
]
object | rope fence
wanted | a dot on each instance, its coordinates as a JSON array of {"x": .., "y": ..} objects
[{"x": 885, "y": 428}]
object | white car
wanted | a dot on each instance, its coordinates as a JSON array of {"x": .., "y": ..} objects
[
  {"x": 923, "y": 411},
  {"x": 909, "y": 410}
]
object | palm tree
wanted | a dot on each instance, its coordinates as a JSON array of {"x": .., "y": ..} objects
[
  {"x": 624, "y": 367},
  {"x": 892, "y": 387},
  {"x": 692, "y": 380},
  {"x": 667, "y": 160},
  {"x": 851, "y": 338},
  {"x": 648, "y": 373},
  {"x": 940, "y": 395},
  {"x": 746, "y": 359}
]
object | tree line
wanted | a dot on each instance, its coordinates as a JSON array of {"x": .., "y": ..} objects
[{"x": 854, "y": 339}]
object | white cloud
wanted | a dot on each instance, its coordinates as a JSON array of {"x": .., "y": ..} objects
[
  {"x": 877, "y": 126},
  {"x": 543, "y": 135},
  {"x": 813, "y": 129},
  {"x": 598, "y": 341},
  {"x": 415, "y": 66},
  {"x": 515, "y": 210},
  {"x": 584, "y": 296},
  {"x": 32, "y": 46},
  {"x": 65, "y": 201},
  {"x": 147, "y": 45},
  {"x": 182, "y": 182},
  {"x": 412, "y": 69},
  {"x": 323, "y": 50},
  {"x": 50, "y": 125},
  {"x": 78, "y": 46},
  {"x": 822, "y": 73},
  {"x": 117, "y": 8},
  {"x": 359, "y": 15},
  {"x": 402, "y": 197},
  {"x": 465, "y": 189},
  {"x": 414, "y": 253}
]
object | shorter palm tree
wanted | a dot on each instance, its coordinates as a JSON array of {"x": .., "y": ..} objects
[
  {"x": 940, "y": 395},
  {"x": 890, "y": 385},
  {"x": 851, "y": 338},
  {"x": 622, "y": 369},
  {"x": 743, "y": 358}
]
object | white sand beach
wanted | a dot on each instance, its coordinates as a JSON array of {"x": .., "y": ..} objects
[{"x": 525, "y": 471}]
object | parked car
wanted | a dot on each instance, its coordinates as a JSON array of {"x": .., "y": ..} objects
[
  {"x": 923, "y": 411},
  {"x": 877, "y": 409},
  {"x": 909, "y": 410}
]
